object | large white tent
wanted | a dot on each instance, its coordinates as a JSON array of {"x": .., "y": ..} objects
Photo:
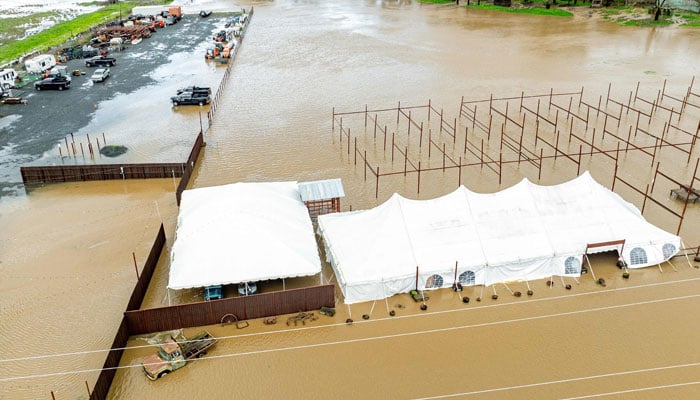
[
  {"x": 242, "y": 232},
  {"x": 524, "y": 232}
]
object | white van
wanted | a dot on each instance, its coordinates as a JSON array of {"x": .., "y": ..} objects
[
  {"x": 7, "y": 78},
  {"x": 40, "y": 63}
]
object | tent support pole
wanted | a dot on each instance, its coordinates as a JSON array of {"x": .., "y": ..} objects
[
  {"x": 321, "y": 277},
  {"x": 455, "y": 281},
  {"x": 590, "y": 267},
  {"x": 168, "y": 290},
  {"x": 551, "y": 279},
  {"x": 371, "y": 310},
  {"x": 416, "y": 278},
  {"x": 349, "y": 311},
  {"x": 494, "y": 289},
  {"x": 284, "y": 286},
  {"x": 660, "y": 269},
  {"x": 562, "y": 280}
]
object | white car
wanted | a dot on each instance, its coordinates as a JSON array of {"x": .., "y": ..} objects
[{"x": 100, "y": 75}]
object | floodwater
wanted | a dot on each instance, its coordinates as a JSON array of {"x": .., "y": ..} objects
[{"x": 66, "y": 250}]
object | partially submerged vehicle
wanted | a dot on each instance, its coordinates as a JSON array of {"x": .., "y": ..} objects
[{"x": 174, "y": 354}]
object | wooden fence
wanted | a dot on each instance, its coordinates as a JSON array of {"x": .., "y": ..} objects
[
  {"x": 247, "y": 307},
  {"x": 189, "y": 166},
  {"x": 100, "y": 172},
  {"x": 109, "y": 369}
]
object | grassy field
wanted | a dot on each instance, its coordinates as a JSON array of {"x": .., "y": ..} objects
[
  {"x": 530, "y": 10},
  {"x": 63, "y": 32}
]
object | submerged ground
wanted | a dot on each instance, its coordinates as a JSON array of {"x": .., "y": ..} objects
[{"x": 66, "y": 250}]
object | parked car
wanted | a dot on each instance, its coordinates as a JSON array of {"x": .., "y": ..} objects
[
  {"x": 100, "y": 75},
  {"x": 103, "y": 61},
  {"x": 54, "y": 82},
  {"x": 170, "y": 21}
]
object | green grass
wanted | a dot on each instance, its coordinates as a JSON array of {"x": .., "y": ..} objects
[
  {"x": 437, "y": 1},
  {"x": 532, "y": 11},
  {"x": 61, "y": 32},
  {"x": 15, "y": 27},
  {"x": 647, "y": 22}
]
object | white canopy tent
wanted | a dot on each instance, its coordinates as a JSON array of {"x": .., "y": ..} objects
[
  {"x": 524, "y": 232},
  {"x": 242, "y": 232}
]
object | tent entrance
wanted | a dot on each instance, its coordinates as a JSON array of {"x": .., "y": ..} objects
[{"x": 600, "y": 247}]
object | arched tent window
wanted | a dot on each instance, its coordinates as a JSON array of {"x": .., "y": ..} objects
[
  {"x": 572, "y": 265},
  {"x": 638, "y": 256},
  {"x": 467, "y": 278},
  {"x": 434, "y": 281},
  {"x": 669, "y": 250}
]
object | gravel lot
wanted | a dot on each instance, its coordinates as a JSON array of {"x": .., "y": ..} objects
[{"x": 133, "y": 101}]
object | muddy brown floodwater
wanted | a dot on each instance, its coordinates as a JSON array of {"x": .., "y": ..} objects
[{"x": 66, "y": 250}]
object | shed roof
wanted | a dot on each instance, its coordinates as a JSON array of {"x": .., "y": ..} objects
[{"x": 321, "y": 190}]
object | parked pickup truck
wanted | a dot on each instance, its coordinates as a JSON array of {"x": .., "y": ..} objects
[
  {"x": 53, "y": 82},
  {"x": 174, "y": 354},
  {"x": 102, "y": 61},
  {"x": 191, "y": 98},
  {"x": 194, "y": 89}
]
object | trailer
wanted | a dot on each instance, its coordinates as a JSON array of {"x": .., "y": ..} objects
[{"x": 40, "y": 63}]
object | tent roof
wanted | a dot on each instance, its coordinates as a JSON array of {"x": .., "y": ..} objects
[
  {"x": 242, "y": 232},
  {"x": 513, "y": 234}
]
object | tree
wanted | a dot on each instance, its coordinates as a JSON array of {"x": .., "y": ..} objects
[{"x": 658, "y": 6}]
